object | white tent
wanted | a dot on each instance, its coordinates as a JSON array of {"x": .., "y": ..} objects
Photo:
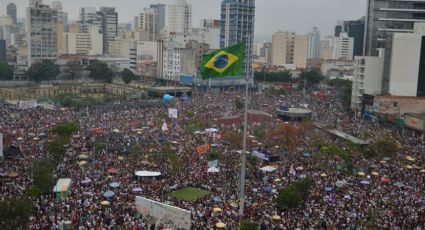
[
  {"x": 147, "y": 174},
  {"x": 164, "y": 127},
  {"x": 213, "y": 170},
  {"x": 268, "y": 169},
  {"x": 211, "y": 130}
]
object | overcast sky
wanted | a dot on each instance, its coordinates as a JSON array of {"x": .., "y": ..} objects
[{"x": 271, "y": 15}]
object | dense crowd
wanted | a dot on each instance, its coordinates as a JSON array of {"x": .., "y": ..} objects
[{"x": 350, "y": 205}]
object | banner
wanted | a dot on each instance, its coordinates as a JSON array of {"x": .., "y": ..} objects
[
  {"x": 172, "y": 113},
  {"x": 163, "y": 214},
  {"x": 202, "y": 149},
  {"x": 213, "y": 163},
  {"x": 27, "y": 104}
]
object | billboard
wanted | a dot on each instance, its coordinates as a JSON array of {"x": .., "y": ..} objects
[
  {"x": 167, "y": 215},
  {"x": 172, "y": 113},
  {"x": 186, "y": 79},
  {"x": 27, "y": 104}
]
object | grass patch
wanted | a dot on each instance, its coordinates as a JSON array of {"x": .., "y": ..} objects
[{"x": 189, "y": 194}]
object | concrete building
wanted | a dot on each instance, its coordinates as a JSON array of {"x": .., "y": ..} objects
[
  {"x": 210, "y": 23},
  {"x": 385, "y": 17},
  {"x": 237, "y": 25},
  {"x": 83, "y": 43},
  {"x": 355, "y": 29},
  {"x": 180, "y": 17},
  {"x": 200, "y": 50},
  {"x": 148, "y": 25},
  {"x": 313, "y": 44},
  {"x": 149, "y": 59},
  {"x": 289, "y": 48},
  {"x": 337, "y": 67},
  {"x": 160, "y": 17},
  {"x": 109, "y": 26},
  {"x": 178, "y": 61},
  {"x": 11, "y": 12},
  {"x": 326, "y": 48},
  {"x": 2, "y": 49},
  {"x": 343, "y": 47},
  {"x": 120, "y": 48},
  {"x": 210, "y": 36},
  {"x": 6, "y": 29},
  {"x": 89, "y": 16},
  {"x": 41, "y": 32}
]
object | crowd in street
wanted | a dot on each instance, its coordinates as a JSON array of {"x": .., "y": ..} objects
[{"x": 388, "y": 195}]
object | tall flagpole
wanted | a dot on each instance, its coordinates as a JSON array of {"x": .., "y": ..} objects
[{"x": 245, "y": 126}]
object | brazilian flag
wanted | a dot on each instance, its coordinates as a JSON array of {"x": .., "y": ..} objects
[{"x": 224, "y": 62}]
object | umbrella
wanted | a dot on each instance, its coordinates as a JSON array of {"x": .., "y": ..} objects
[
  {"x": 328, "y": 189},
  {"x": 220, "y": 225},
  {"x": 268, "y": 169},
  {"x": 348, "y": 197},
  {"x": 409, "y": 158},
  {"x": 120, "y": 158},
  {"x": 409, "y": 167},
  {"x": 399, "y": 185},
  {"x": 86, "y": 181},
  {"x": 306, "y": 154},
  {"x": 323, "y": 175},
  {"x": 422, "y": 171},
  {"x": 340, "y": 183},
  {"x": 76, "y": 136},
  {"x": 13, "y": 175},
  {"x": 174, "y": 142},
  {"x": 19, "y": 138},
  {"x": 105, "y": 203},
  {"x": 386, "y": 158},
  {"x": 383, "y": 162},
  {"x": 365, "y": 182},
  {"x": 82, "y": 163},
  {"x": 137, "y": 189},
  {"x": 234, "y": 205},
  {"x": 36, "y": 139},
  {"x": 139, "y": 132},
  {"x": 108, "y": 194},
  {"x": 114, "y": 185},
  {"x": 42, "y": 134},
  {"x": 277, "y": 180},
  {"x": 385, "y": 180},
  {"x": 268, "y": 189},
  {"x": 276, "y": 217},
  {"x": 217, "y": 199},
  {"x": 83, "y": 156},
  {"x": 213, "y": 170},
  {"x": 162, "y": 139},
  {"x": 299, "y": 168},
  {"x": 116, "y": 130},
  {"x": 113, "y": 170},
  {"x": 147, "y": 174},
  {"x": 361, "y": 174},
  {"x": 217, "y": 209},
  {"x": 375, "y": 173}
]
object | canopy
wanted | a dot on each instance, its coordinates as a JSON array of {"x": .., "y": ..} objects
[
  {"x": 147, "y": 174},
  {"x": 409, "y": 158},
  {"x": 268, "y": 169},
  {"x": 108, "y": 194},
  {"x": 361, "y": 174},
  {"x": 328, "y": 189},
  {"x": 268, "y": 189},
  {"x": 213, "y": 170},
  {"x": 375, "y": 173},
  {"x": 114, "y": 185},
  {"x": 83, "y": 156},
  {"x": 82, "y": 163},
  {"x": 323, "y": 175},
  {"x": 217, "y": 209},
  {"x": 62, "y": 185},
  {"x": 220, "y": 225},
  {"x": 276, "y": 217},
  {"x": 136, "y": 189},
  {"x": 105, "y": 203},
  {"x": 211, "y": 130}
]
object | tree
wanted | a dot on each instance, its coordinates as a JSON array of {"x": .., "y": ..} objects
[
  {"x": 294, "y": 194},
  {"x": 43, "y": 71},
  {"x": 282, "y": 76},
  {"x": 73, "y": 70},
  {"x": 385, "y": 147},
  {"x": 42, "y": 175},
  {"x": 238, "y": 104},
  {"x": 313, "y": 77},
  {"x": 345, "y": 87},
  {"x": 6, "y": 71},
  {"x": 286, "y": 134},
  {"x": 128, "y": 76},
  {"x": 135, "y": 150},
  {"x": 15, "y": 213},
  {"x": 100, "y": 71},
  {"x": 248, "y": 225},
  {"x": 66, "y": 129}
]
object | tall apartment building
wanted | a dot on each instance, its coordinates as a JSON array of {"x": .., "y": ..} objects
[
  {"x": 289, "y": 48},
  {"x": 178, "y": 61},
  {"x": 385, "y": 17},
  {"x": 83, "y": 43},
  {"x": 313, "y": 44},
  {"x": 160, "y": 17},
  {"x": 180, "y": 17},
  {"x": 343, "y": 47},
  {"x": 11, "y": 11},
  {"x": 148, "y": 25},
  {"x": 237, "y": 25},
  {"x": 41, "y": 23},
  {"x": 109, "y": 25},
  {"x": 326, "y": 48},
  {"x": 89, "y": 16},
  {"x": 355, "y": 29}
]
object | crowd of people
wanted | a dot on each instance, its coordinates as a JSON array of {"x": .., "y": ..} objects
[{"x": 339, "y": 199}]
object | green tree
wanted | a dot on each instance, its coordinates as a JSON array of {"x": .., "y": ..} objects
[
  {"x": 385, "y": 147},
  {"x": 6, "y": 71},
  {"x": 15, "y": 213},
  {"x": 42, "y": 175},
  {"x": 73, "y": 70},
  {"x": 289, "y": 198},
  {"x": 313, "y": 77},
  {"x": 100, "y": 71},
  {"x": 282, "y": 76},
  {"x": 248, "y": 225},
  {"x": 128, "y": 76},
  {"x": 345, "y": 87},
  {"x": 135, "y": 150},
  {"x": 43, "y": 71},
  {"x": 66, "y": 129}
]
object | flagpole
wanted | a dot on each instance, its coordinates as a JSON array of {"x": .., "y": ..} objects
[{"x": 245, "y": 127}]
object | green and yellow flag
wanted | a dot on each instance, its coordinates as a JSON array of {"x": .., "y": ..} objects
[{"x": 224, "y": 62}]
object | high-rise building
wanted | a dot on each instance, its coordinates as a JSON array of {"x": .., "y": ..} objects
[
  {"x": 289, "y": 48},
  {"x": 343, "y": 47},
  {"x": 2, "y": 49},
  {"x": 160, "y": 16},
  {"x": 11, "y": 11},
  {"x": 210, "y": 23},
  {"x": 148, "y": 25},
  {"x": 385, "y": 17},
  {"x": 41, "y": 32},
  {"x": 83, "y": 43},
  {"x": 109, "y": 25},
  {"x": 180, "y": 17},
  {"x": 88, "y": 17},
  {"x": 237, "y": 24},
  {"x": 313, "y": 44},
  {"x": 355, "y": 29}
]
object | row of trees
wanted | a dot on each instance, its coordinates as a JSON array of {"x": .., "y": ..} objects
[
  {"x": 312, "y": 77},
  {"x": 6, "y": 71},
  {"x": 48, "y": 70}
]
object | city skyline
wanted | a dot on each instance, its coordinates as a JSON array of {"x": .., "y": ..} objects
[{"x": 271, "y": 15}]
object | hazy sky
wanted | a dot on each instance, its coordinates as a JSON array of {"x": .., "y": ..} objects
[{"x": 271, "y": 15}]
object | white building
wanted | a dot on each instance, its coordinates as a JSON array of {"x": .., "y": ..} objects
[
  {"x": 148, "y": 24},
  {"x": 180, "y": 17},
  {"x": 178, "y": 61},
  {"x": 90, "y": 43},
  {"x": 313, "y": 44},
  {"x": 210, "y": 36},
  {"x": 289, "y": 48},
  {"x": 343, "y": 47},
  {"x": 40, "y": 24}
]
